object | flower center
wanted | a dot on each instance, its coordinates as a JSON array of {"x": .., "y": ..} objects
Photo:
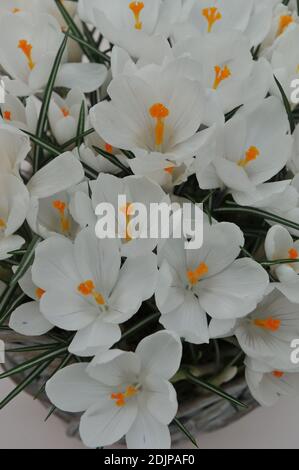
[
  {"x": 7, "y": 115},
  {"x": 270, "y": 324},
  {"x": 61, "y": 207},
  {"x": 65, "y": 112},
  {"x": 284, "y": 22},
  {"x": 2, "y": 225},
  {"x": 121, "y": 398},
  {"x": 169, "y": 170},
  {"x": 137, "y": 8},
  {"x": 159, "y": 112},
  {"x": 293, "y": 253},
  {"x": 221, "y": 74},
  {"x": 108, "y": 148},
  {"x": 26, "y": 48},
  {"x": 211, "y": 15},
  {"x": 277, "y": 374},
  {"x": 127, "y": 211},
  {"x": 251, "y": 155},
  {"x": 87, "y": 289},
  {"x": 197, "y": 274},
  {"x": 39, "y": 293}
]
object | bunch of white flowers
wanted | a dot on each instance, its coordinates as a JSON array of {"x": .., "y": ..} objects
[{"x": 158, "y": 100}]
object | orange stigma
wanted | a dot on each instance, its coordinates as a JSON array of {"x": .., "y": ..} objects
[
  {"x": 26, "y": 48},
  {"x": 160, "y": 112},
  {"x": 251, "y": 155},
  {"x": 169, "y": 170},
  {"x": 293, "y": 253},
  {"x": 137, "y": 8},
  {"x": 87, "y": 288},
  {"x": 284, "y": 22},
  {"x": 2, "y": 224},
  {"x": 65, "y": 112},
  {"x": 108, "y": 148},
  {"x": 278, "y": 374},
  {"x": 39, "y": 293},
  {"x": 269, "y": 324},
  {"x": 211, "y": 15},
  {"x": 61, "y": 207},
  {"x": 7, "y": 115},
  {"x": 120, "y": 398},
  {"x": 221, "y": 74},
  {"x": 195, "y": 276}
]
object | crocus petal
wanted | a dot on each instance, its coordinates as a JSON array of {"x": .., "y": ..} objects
[
  {"x": 87, "y": 77},
  {"x": 148, "y": 433},
  {"x": 28, "y": 320}
]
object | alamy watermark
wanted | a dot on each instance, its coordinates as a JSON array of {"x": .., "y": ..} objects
[{"x": 157, "y": 221}]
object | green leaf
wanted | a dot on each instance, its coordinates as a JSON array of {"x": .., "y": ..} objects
[
  {"x": 211, "y": 388},
  {"x": 259, "y": 213},
  {"x": 43, "y": 116},
  {"x": 33, "y": 362},
  {"x": 48, "y": 146},
  {"x": 76, "y": 33},
  {"x": 81, "y": 126},
  {"x": 95, "y": 52},
  {"x": 112, "y": 159},
  {"x": 67, "y": 359},
  {"x": 25, "y": 383},
  {"x": 185, "y": 431},
  {"x": 16, "y": 303},
  {"x": 140, "y": 326},
  {"x": 10, "y": 290},
  {"x": 286, "y": 105},
  {"x": 73, "y": 141}
]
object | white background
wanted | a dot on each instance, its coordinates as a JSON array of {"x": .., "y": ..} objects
[{"x": 22, "y": 427}]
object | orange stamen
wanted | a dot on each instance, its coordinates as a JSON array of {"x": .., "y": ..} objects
[
  {"x": 2, "y": 224},
  {"x": 160, "y": 112},
  {"x": 278, "y": 374},
  {"x": 169, "y": 170},
  {"x": 88, "y": 288},
  {"x": 137, "y": 8},
  {"x": 251, "y": 155},
  {"x": 293, "y": 253},
  {"x": 284, "y": 22},
  {"x": 26, "y": 48},
  {"x": 61, "y": 207},
  {"x": 270, "y": 324},
  {"x": 7, "y": 115},
  {"x": 221, "y": 74},
  {"x": 120, "y": 398},
  {"x": 126, "y": 211},
  {"x": 212, "y": 15},
  {"x": 194, "y": 276},
  {"x": 39, "y": 293},
  {"x": 16, "y": 10}
]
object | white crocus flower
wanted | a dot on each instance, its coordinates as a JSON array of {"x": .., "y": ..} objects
[
  {"x": 50, "y": 194},
  {"x": 23, "y": 117},
  {"x": 27, "y": 319},
  {"x": 210, "y": 280},
  {"x": 15, "y": 147},
  {"x": 267, "y": 333},
  {"x": 14, "y": 202},
  {"x": 31, "y": 45},
  {"x": 293, "y": 164},
  {"x": 251, "y": 17},
  {"x": 285, "y": 62},
  {"x": 137, "y": 190},
  {"x": 64, "y": 115},
  {"x": 251, "y": 148},
  {"x": 279, "y": 245},
  {"x": 282, "y": 22},
  {"x": 140, "y": 27},
  {"x": 268, "y": 385},
  {"x": 228, "y": 68},
  {"x": 88, "y": 291},
  {"x": 123, "y": 394},
  {"x": 153, "y": 115}
]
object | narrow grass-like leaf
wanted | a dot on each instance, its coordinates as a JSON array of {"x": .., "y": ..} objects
[
  {"x": 48, "y": 146},
  {"x": 25, "y": 383},
  {"x": 9, "y": 292},
  {"x": 16, "y": 303},
  {"x": 211, "y": 388},
  {"x": 67, "y": 359},
  {"x": 112, "y": 159},
  {"x": 43, "y": 116},
  {"x": 81, "y": 126},
  {"x": 286, "y": 105},
  {"x": 140, "y": 326},
  {"x": 34, "y": 362},
  {"x": 39, "y": 347},
  {"x": 73, "y": 141},
  {"x": 95, "y": 52},
  {"x": 185, "y": 431},
  {"x": 259, "y": 213}
]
